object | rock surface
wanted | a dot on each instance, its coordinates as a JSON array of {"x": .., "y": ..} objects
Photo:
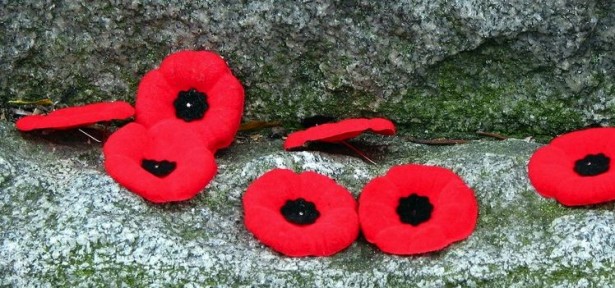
[
  {"x": 66, "y": 223},
  {"x": 436, "y": 67}
]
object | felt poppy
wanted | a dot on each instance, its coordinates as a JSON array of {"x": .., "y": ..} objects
[
  {"x": 304, "y": 214},
  {"x": 415, "y": 209},
  {"x": 339, "y": 131},
  {"x": 77, "y": 116},
  {"x": 575, "y": 167},
  {"x": 161, "y": 164},
  {"x": 198, "y": 88}
]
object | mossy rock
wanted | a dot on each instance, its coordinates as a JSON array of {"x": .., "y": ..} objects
[{"x": 438, "y": 68}]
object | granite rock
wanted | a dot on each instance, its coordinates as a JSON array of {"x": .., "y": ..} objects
[
  {"x": 66, "y": 223},
  {"x": 436, "y": 67}
]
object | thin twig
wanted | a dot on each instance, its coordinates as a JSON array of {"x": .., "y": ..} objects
[
  {"x": 358, "y": 152},
  {"x": 493, "y": 135},
  {"x": 91, "y": 137},
  {"x": 253, "y": 125},
  {"x": 438, "y": 141}
]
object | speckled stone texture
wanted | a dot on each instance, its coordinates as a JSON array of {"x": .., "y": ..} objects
[
  {"x": 65, "y": 223},
  {"x": 436, "y": 67}
]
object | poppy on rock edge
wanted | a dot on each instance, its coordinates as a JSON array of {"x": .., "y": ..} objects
[
  {"x": 197, "y": 88},
  {"x": 300, "y": 214},
  {"x": 77, "y": 116},
  {"x": 164, "y": 163},
  {"x": 416, "y": 209},
  {"x": 339, "y": 131},
  {"x": 575, "y": 168}
]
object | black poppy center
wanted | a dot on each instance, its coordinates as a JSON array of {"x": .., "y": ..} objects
[
  {"x": 300, "y": 211},
  {"x": 190, "y": 105},
  {"x": 158, "y": 168},
  {"x": 592, "y": 165},
  {"x": 414, "y": 209}
]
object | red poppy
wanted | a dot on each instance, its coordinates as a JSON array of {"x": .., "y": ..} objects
[
  {"x": 304, "y": 214},
  {"x": 416, "y": 209},
  {"x": 72, "y": 117},
  {"x": 339, "y": 131},
  {"x": 163, "y": 164},
  {"x": 575, "y": 167},
  {"x": 198, "y": 88}
]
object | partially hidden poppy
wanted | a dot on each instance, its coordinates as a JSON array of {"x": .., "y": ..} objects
[
  {"x": 575, "y": 168},
  {"x": 77, "y": 116},
  {"x": 305, "y": 214},
  {"x": 163, "y": 163},
  {"x": 416, "y": 209},
  {"x": 339, "y": 131},
  {"x": 197, "y": 88}
]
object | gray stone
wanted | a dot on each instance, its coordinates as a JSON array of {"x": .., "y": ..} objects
[
  {"x": 436, "y": 67},
  {"x": 65, "y": 223}
]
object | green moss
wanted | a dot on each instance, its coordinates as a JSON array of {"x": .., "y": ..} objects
[
  {"x": 306, "y": 95},
  {"x": 217, "y": 202},
  {"x": 490, "y": 89},
  {"x": 32, "y": 86},
  {"x": 365, "y": 257},
  {"x": 573, "y": 274},
  {"x": 493, "y": 88}
]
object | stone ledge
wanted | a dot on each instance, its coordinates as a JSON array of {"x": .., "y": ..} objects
[{"x": 66, "y": 223}]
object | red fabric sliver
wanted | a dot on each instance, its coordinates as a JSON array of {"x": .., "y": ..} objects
[
  {"x": 77, "y": 116},
  {"x": 339, "y": 131}
]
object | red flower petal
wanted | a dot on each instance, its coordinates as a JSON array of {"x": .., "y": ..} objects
[
  {"x": 194, "y": 69},
  {"x": 72, "y": 117},
  {"x": 203, "y": 72},
  {"x": 336, "y": 227},
  {"x": 410, "y": 241},
  {"x": 126, "y": 149},
  {"x": 339, "y": 131},
  {"x": 452, "y": 218},
  {"x": 551, "y": 168}
]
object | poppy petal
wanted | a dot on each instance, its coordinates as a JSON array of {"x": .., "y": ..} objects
[
  {"x": 412, "y": 179},
  {"x": 154, "y": 99},
  {"x": 374, "y": 217},
  {"x": 456, "y": 222},
  {"x": 279, "y": 235},
  {"x": 393, "y": 240},
  {"x": 579, "y": 143},
  {"x": 575, "y": 168},
  {"x": 334, "y": 229},
  {"x": 549, "y": 160},
  {"x": 339, "y": 131},
  {"x": 193, "y": 69},
  {"x": 275, "y": 188},
  {"x": 338, "y": 236},
  {"x": 126, "y": 149},
  {"x": 326, "y": 239},
  {"x": 224, "y": 118},
  {"x": 197, "y": 88},
  {"x": 416, "y": 209},
  {"x": 335, "y": 197},
  {"x": 576, "y": 191},
  {"x": 388, "y": 192},
  {"x": 77, "y": 116}
]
